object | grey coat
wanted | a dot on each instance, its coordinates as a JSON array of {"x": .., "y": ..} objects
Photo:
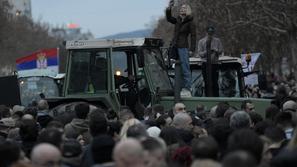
[{"x": 216, "y": 48}]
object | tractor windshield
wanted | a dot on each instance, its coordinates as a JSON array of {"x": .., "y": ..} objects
[
  {"x": 156, "y": 69},
  {"x": 32, "y": 87},
  {"x": 88, "y": 71}
]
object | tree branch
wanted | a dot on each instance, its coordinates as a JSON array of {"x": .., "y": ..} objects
[
  {"x": 245, "y": 23},
  {"x": 269, "y": 12},
  {"x": 270, "y": 28}
]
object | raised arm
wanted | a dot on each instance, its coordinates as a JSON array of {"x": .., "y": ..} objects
[{"x": 169, "y": 16}]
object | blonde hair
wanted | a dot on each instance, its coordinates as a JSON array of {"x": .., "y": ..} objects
[{"x": 130, "y": 122}]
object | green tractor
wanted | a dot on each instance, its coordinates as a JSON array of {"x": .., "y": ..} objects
[{"x": 133, "y": 72}]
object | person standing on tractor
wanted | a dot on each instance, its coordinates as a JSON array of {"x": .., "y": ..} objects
[
  {"x": 184, "y": 27},
  {"x": 210, "y": 48}
]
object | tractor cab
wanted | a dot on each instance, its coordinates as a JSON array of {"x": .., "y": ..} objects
[{"x": 110, "y": 73}]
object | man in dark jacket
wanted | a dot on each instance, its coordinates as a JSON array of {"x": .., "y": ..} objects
[{"x": 184, "y": 26}]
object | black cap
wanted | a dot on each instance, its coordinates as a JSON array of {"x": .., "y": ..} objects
[{"x": 210, "y": 29}]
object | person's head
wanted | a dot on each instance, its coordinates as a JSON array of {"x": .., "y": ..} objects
[
  {"x": 275, "y": 134},
  {"x": 205, "y": 148},
  {"x": 185, "y": 10},
  {"x": 260, "y": 127},
  {"x": 9, "y": 153},
  {"x": 239, "y": 120},
  {"x": 164, "y": 121},
  {"x": 247, "y": 106},
  {"x": 221, "y": 131},
  {"x": 170, "y": 135},
  {"x": 182, "y": 121},
  {"x": 239, "y": 159},
  {"x": 16, "y": 108},
  {"x": 44, "y": 155},
  {"x": 179, "y": 108},
  {"x": 221, "y": 109},
  {"x": 200, "y": 108},
  {"x": 229, "y": 112},
  {"x": 156, "y": 151},
  {"x": 52, "y": 136},
  {"x": 27, "y": 117},
  {"x": 246, "y": 140},
  {"x": 128, "y": 123},
  {"x": 28, "y": 130},
  {"x": 97, "y": 123},
  {"x": 32, "y": 111},
  {"x": 153, "y": 131},
  {"x": 128, "y": 153},
  {"x": 291, "y": 107},
  {"x": 55, "y": 125},
  {"x": 82, "y": 110},
  {"x": 114, "y": 129},
  {"x": 205, "y": 163},
  {"x": 158, "y": 110},
  {"x": 101, "y": 148},
  {"x": 125, "y": 114},
  {"x": 71, "y": 148},
  {"x": 210, "y": 30},
  {"x": 42, "y": 105},
  {"x": 271, "y": 112},
  {"x": 212, "y": 111},
  {"x": 182, "y": 156},
  {"x": 4, "y": 112},
  {"x": 137, "y": 131},
  {"x": 284, "y": 120},
  {"x": 255, "y": 117}
]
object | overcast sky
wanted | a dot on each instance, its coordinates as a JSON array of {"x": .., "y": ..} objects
[{"x": 101, "y": 17}]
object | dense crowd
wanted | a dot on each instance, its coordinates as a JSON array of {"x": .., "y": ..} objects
[
  {"x": 271, "y": 84},
  {"x": 222, "y": 136}
]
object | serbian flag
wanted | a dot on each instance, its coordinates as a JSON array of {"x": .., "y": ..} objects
[{"x": 42, "y": 63}]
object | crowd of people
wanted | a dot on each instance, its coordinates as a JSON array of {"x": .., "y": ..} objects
[
  {"x": 224, "y": 136},
  {"x": 272, "y": 85}
]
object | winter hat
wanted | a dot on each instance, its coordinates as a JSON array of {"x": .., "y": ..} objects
[{"x": 153, "y": 131}]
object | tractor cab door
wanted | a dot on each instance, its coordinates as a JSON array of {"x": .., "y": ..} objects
[{"x": 131, "y": 88}]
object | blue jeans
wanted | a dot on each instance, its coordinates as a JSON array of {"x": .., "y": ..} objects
[{"x": 185, "y": 65}]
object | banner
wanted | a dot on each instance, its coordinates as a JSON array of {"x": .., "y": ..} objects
[
  {"x": 42, "y": 63},
  {"x": 248, "y": 67},
  {"x": 253, "y": 57}
]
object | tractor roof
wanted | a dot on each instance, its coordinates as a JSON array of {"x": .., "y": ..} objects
[
  {"x": 113, "y": 43},
  {"x": 222, "y": 59}
]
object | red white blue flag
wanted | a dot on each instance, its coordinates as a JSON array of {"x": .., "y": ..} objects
[{"x": 42, "y": 63}]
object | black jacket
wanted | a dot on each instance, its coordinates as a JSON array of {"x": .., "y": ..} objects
[{"x": 183, "y": 28}]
